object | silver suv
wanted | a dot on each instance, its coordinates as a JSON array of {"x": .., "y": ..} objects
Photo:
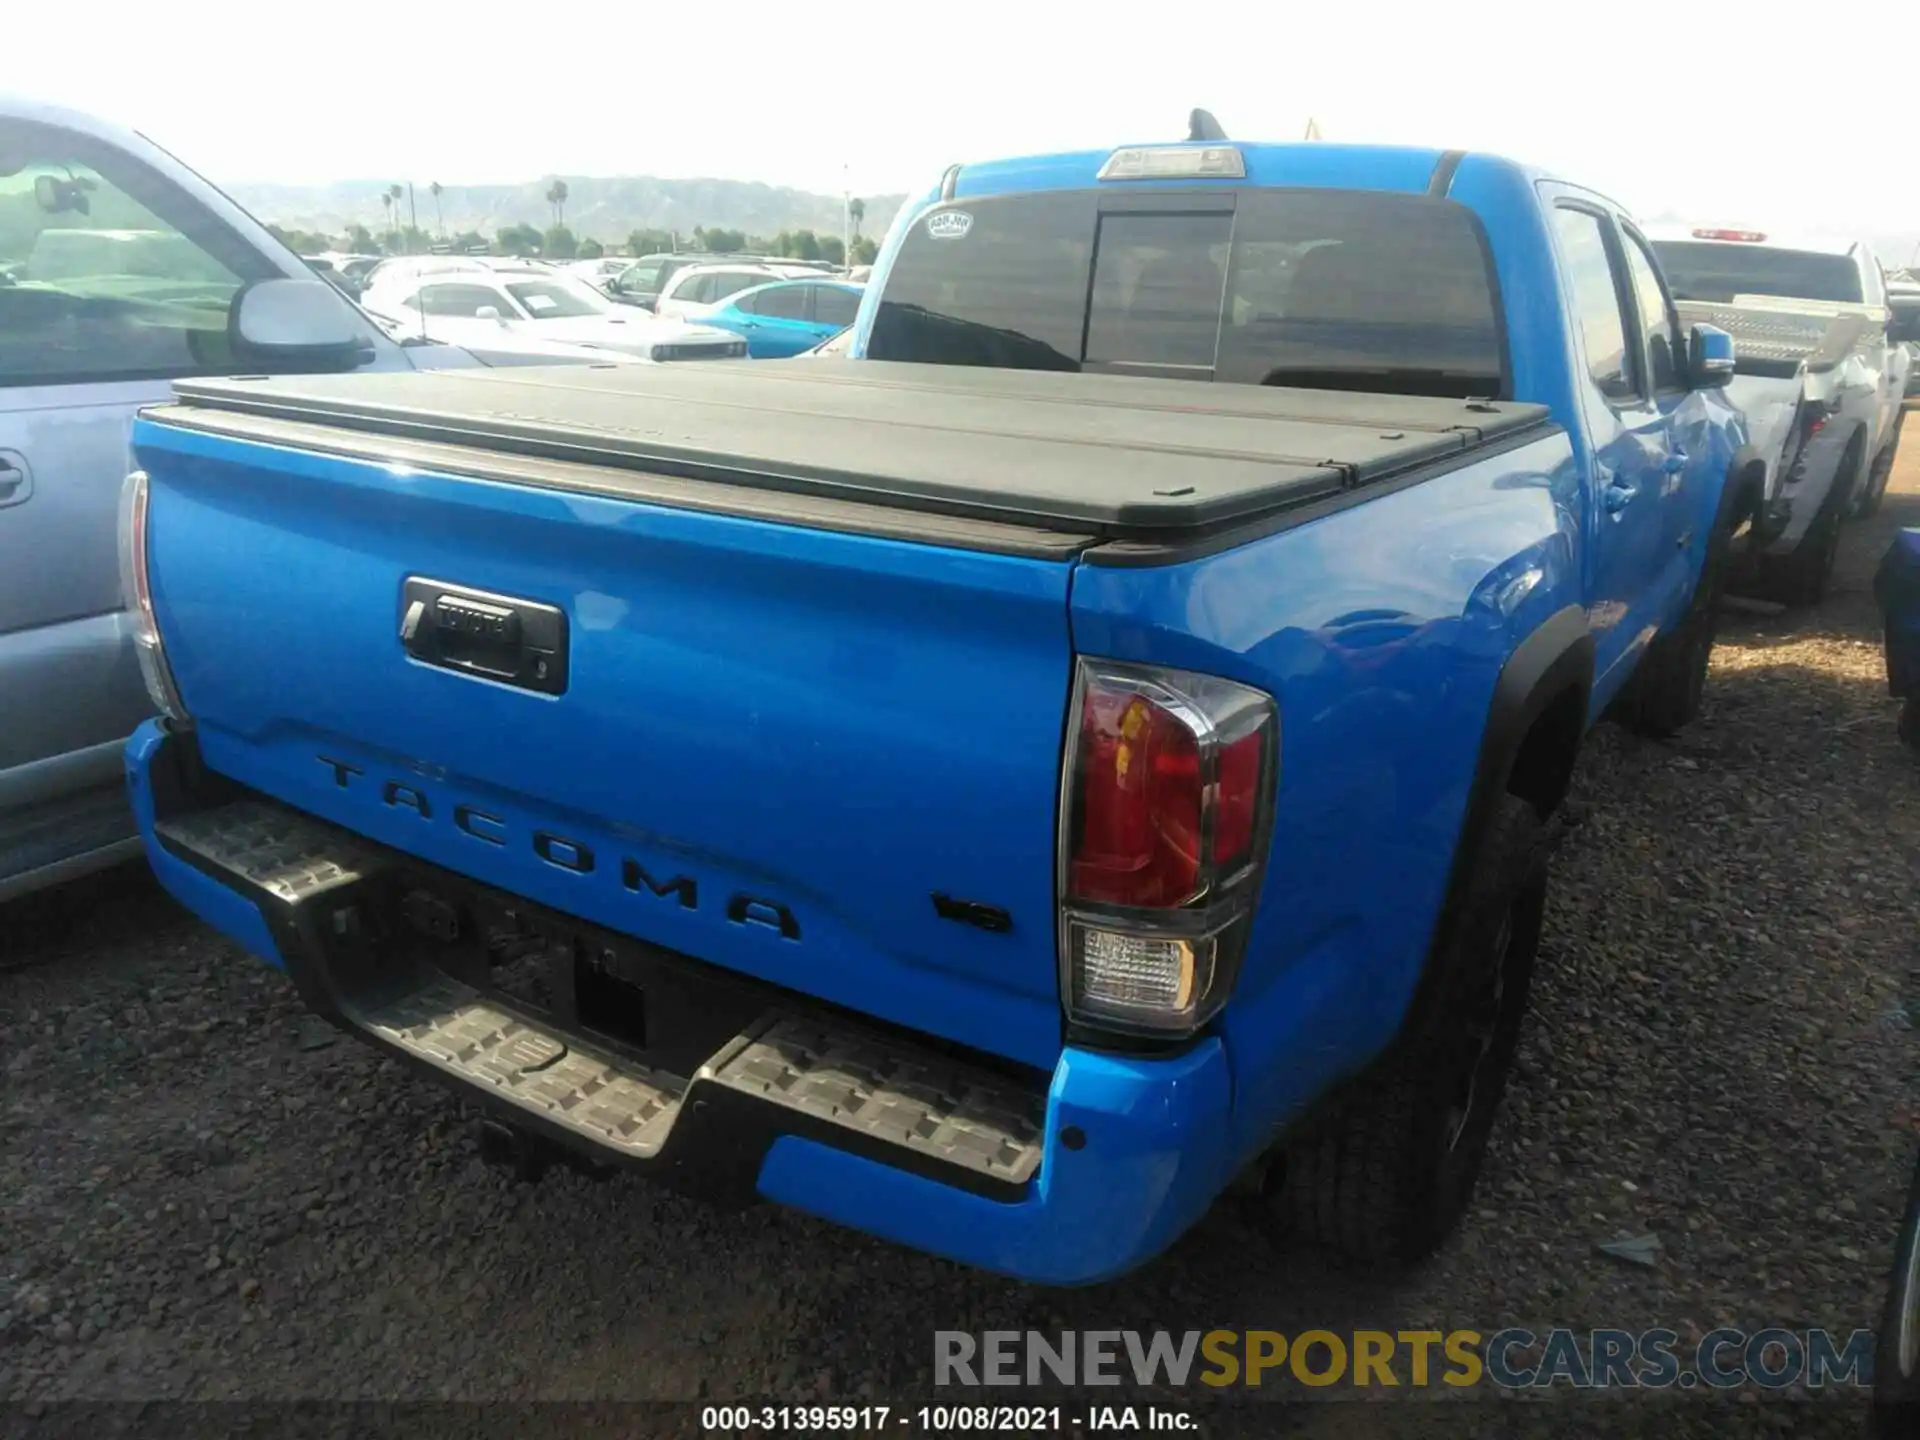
[{"x": 120, "y": 270}]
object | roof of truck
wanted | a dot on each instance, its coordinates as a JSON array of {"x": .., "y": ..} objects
[{"x": 1386, "y": 167}]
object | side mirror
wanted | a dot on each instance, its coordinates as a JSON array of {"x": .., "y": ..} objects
[
  {"x": 55, "y": 196},
  {"x": 303, "y": 323},
  {"x": 1710, "y": 357},
  {"x": 487, "y": 312}
]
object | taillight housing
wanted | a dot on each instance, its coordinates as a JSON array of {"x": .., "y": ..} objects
[
  {"x": 1166, "y": 809},
  {"x": 136, "y": 596}
]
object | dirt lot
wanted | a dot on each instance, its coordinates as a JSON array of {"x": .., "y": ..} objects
[{"x": 202, "y": 1196}]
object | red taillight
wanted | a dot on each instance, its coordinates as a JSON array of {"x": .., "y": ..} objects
[
  {"x": 1751, "y": 237},
  {"x": 1138, "y": 787},
  {"x": 1238, "y": 810},
  {"x": 1170, "y": 779},
  {"x": 1166, "y": 787}
]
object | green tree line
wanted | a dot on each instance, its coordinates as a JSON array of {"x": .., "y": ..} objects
[{"x": 558, "y": 242}]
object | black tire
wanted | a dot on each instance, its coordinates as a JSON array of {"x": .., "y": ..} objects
[
  {"x": 1896, "y": 1361},
  {"x": 1876, "y": 488},
  {"x": 1910, "y": 725},
  {"x": 1801, "y": 578},
  {"x": 1384, "y": 1172},
  {"x": 1666, "y": 691}
]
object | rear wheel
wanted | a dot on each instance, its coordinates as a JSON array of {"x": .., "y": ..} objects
[
  {"x": 1876, "y": 487},
  {"x": 1910, "y": 725},
  {"x": 1667, "y": 689},
  {"x": 1384, "y": 1173},
  {"x": 1801, "y": 578}
]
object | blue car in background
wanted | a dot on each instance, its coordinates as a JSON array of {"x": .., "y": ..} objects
[
  {"x": 1896, "y": 586},
  {"x": 787, "y": 317}
]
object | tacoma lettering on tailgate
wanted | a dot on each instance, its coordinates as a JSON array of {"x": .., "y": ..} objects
[{"x": 564, "y": 852}]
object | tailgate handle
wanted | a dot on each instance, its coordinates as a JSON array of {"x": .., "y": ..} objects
[{"x": 496, "y": 637}]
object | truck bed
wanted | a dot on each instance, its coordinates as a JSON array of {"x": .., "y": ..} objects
[
  {"x": 1777, "y": 338},
  {"x": 1083, "y": 458}
]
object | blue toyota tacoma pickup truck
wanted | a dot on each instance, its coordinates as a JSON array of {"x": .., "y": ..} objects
[{"x": 991, "y": 791}]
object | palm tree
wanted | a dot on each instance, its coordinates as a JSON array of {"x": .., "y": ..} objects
[
  {"x": 557, "y": 198},
  {"x": 858, "y": 210},
  {"x": 392, "y": 197},
  {"x": 438, "y": 224},
  {"x": 387, "y": 198}
]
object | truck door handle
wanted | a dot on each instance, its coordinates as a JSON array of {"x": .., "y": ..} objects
[
  {"x": 13, "y": 484},
  {"x": 516, "y": 642},
  {"x": 1618, "y": 496}
]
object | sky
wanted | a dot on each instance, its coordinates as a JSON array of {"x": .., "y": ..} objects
[{"x": 1687, "y": 108}]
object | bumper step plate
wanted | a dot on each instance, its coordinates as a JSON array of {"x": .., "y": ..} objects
[{"x": 882, "y": 1094}]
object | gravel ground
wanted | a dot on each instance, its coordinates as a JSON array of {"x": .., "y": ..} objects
[{"x": 204, "y": 1197}]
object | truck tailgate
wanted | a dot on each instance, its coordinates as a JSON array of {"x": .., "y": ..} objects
[{"x": 820, "y": 731}]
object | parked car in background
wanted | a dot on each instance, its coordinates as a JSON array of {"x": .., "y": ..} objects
[
  {"x": 598, "y": 273},
  {"x": 783, "y": 319},
  {"x": 697, "y": 286},
  {"x": 1896, "y": 589},
  {"x": 1903, "y": 299},
  {"x": 502, "y": 348},
  {"x": 1818, "y": 307},
  {"x": 642, "y": 281},
  {"x": 347, "y": 269},
  {"x": 1327, "y": 636},
  {"x": 496, "y": 307},
  {"x": 121, "y": 271},
  {"x": 407, "y": 267}
]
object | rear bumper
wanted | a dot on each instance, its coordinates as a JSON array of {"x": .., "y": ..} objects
[{"x": 731, "y": 1085}]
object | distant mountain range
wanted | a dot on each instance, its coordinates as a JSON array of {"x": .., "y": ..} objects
[{"x": 605, "y": 209}]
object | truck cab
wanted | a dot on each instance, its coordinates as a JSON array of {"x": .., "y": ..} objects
[{"x": 1396, "y": 277}]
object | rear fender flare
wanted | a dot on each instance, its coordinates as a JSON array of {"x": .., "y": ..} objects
[{"x": 1552, "y": 665}]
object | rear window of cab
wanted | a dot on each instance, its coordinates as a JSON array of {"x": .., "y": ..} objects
[{"x": 1331, "y": 289}]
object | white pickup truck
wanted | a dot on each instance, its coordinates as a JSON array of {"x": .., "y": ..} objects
[{"x": 1822, "y": 376}]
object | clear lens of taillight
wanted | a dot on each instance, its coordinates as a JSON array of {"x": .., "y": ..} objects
[
  {"x": 137, "y": 599},
  {"x": 1168, "y": 802}
]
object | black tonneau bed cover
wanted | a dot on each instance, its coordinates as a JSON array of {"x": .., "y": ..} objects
[{"x": 1086, "y": 457}]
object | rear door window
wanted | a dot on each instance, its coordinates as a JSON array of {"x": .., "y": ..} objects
[
  {"x": 696, "y": 289},
  {"x": 783, "y": 302},
  {"x": 725, "y": 283},
  {"x": 1657, "y": 324},
  {"x": 1331, "y": 289},
  {"x": 834, "y": 306},
  {"x": 642, "y": 279},
  {"x": 1596, "y": 300}
]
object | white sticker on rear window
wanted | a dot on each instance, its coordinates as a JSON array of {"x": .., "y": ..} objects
[
  {"x": 538, "y": 302},
  {"x": 949, "y": 224}
]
